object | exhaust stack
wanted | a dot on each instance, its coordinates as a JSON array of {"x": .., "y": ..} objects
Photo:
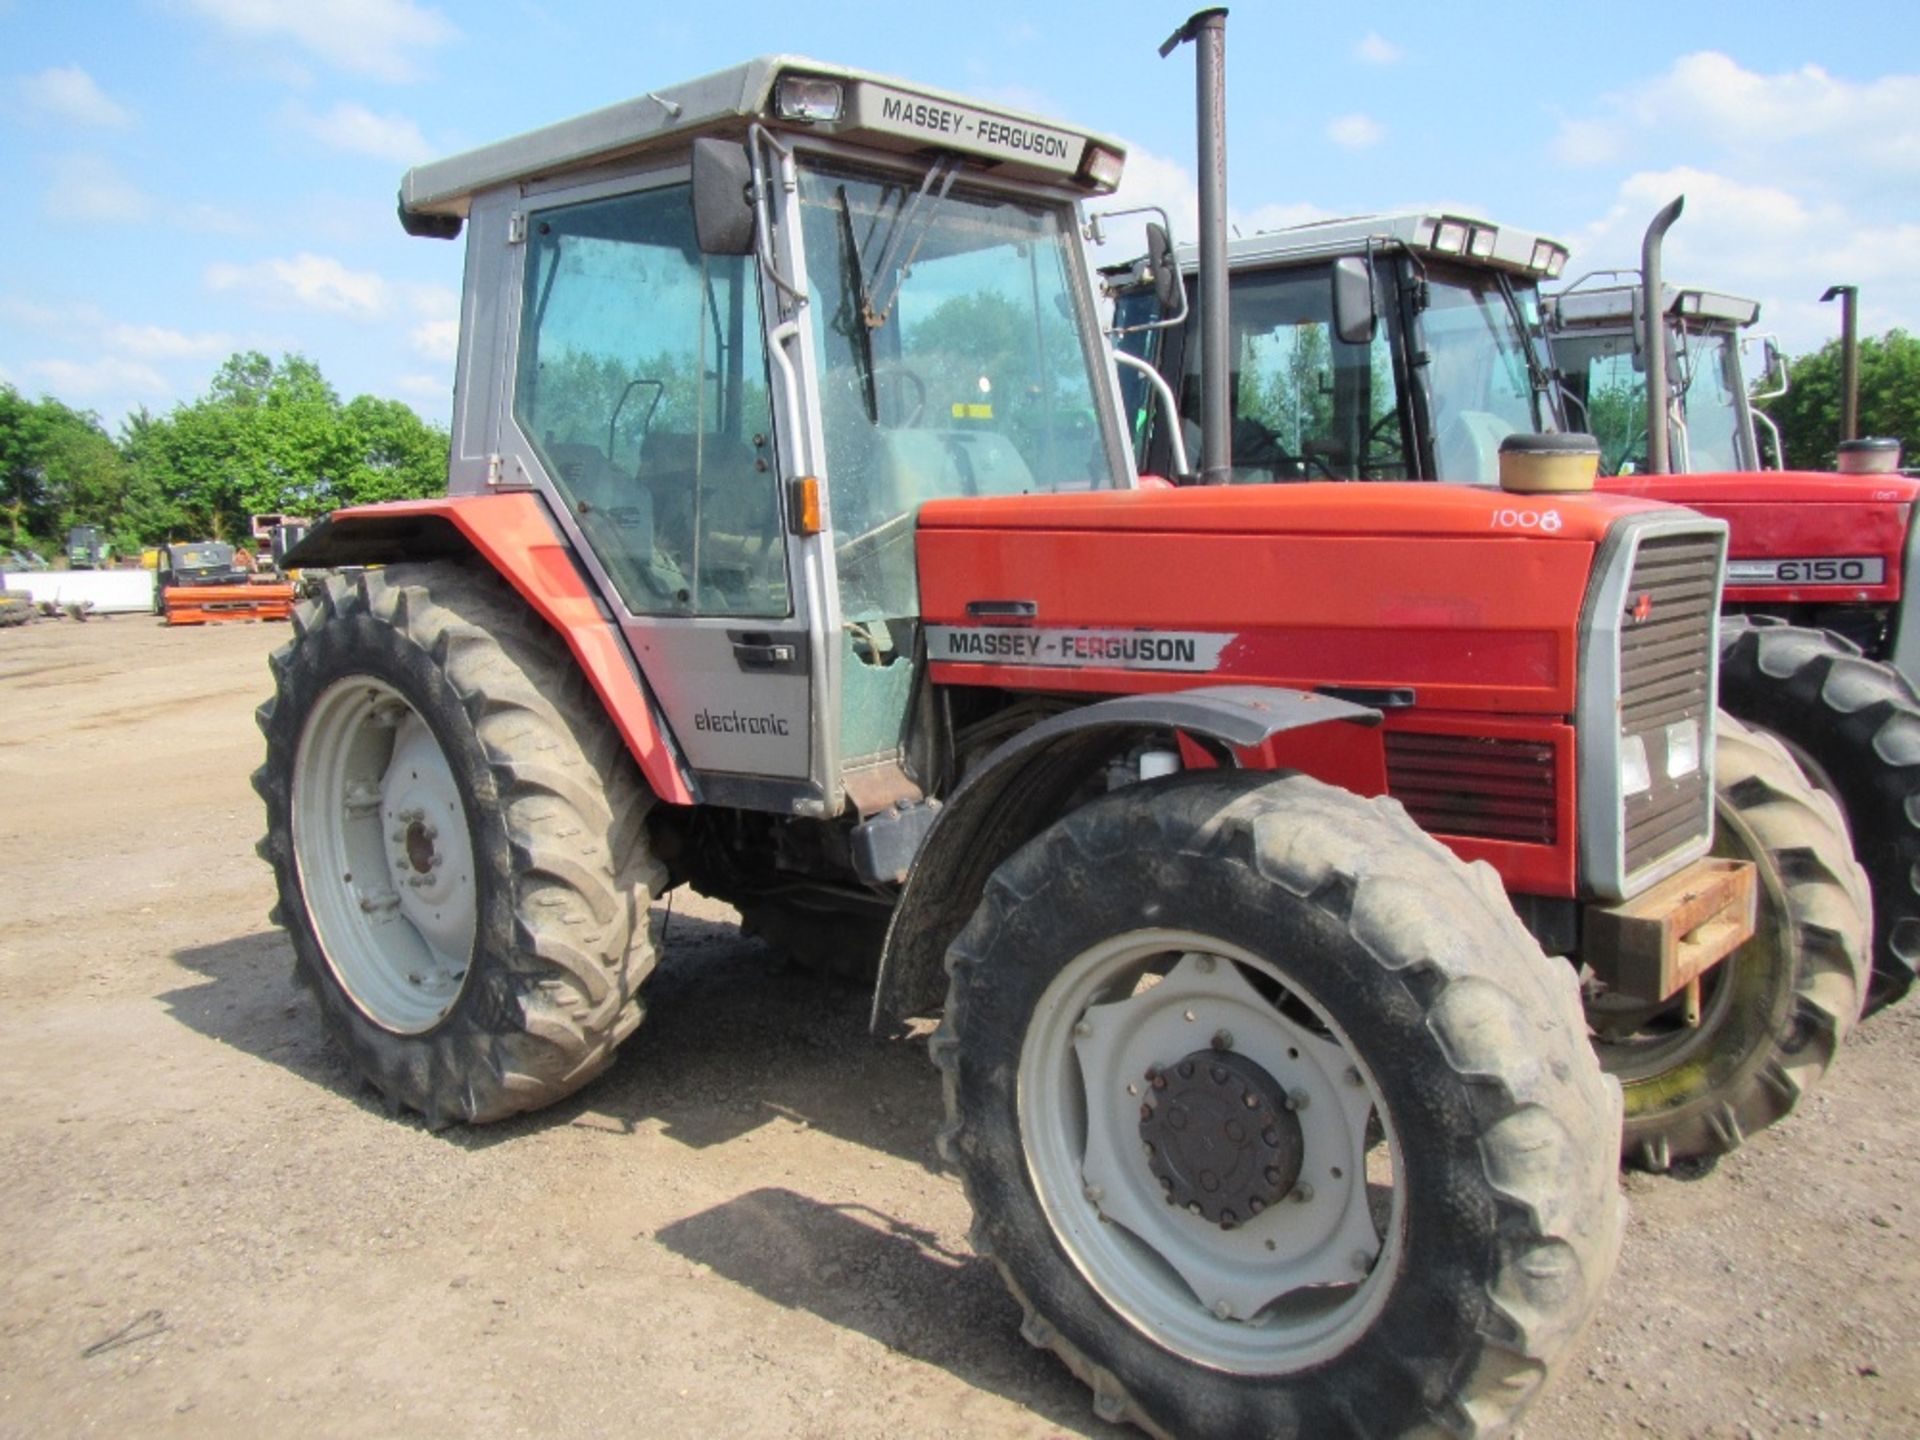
[
  {"x": 1208, "y": 31},
  {"x": 1653, "y": 335}
]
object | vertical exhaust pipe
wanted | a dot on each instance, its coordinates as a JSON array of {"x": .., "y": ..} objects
[
  {"x": 1208, "y": 31},
  {"x": 1653, "y": 335},
  {"x": 1849, "y": 360}
]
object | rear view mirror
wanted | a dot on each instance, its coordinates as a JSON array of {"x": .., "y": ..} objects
[
  {"x": 1354, "y": 318},
  {"x": 723, "y": 220},
  {"x": 1166, "y": 274}
]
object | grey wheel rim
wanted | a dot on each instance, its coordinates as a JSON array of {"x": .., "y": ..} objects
[
  {"x": 385, "y": 855},
  {"x": 1284, "y": 1288}
]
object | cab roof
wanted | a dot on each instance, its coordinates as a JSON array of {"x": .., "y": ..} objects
[
  {"x": 1473, "y": 239},
  {"x": 882, "y": 111},
  {"x": 1609, "y": 305}
]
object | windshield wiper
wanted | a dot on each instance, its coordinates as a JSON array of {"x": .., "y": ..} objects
[
  {"x": 1537, "y": 374},
  {"x": 858, "y": 331},
  {"x": 938, "y": 180}
]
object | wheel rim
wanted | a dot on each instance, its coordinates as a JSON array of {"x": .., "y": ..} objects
[
  {"x": 385, "y": 855},
  {"x": 1292, "y": 1280}
]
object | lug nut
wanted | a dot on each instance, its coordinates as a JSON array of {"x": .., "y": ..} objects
[
  {"x": 1297, "y": 1099},
  {"x": 1302, "y": 1193},
  {"x": 1223, "y": 1040}
]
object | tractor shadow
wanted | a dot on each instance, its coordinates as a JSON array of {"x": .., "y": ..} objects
[
  {"x": 248, "y": 999},
  {"x": 734, "y": 1039},
  {"x": 863, "y": 1270}
]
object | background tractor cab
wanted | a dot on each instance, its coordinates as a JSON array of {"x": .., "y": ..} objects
[
  {"x": 1384, "y": 347},
  {"x": 1594, "y": 331}
]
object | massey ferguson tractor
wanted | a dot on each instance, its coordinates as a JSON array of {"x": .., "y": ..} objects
[
  {"x": 793, "y": 551},
  {"x": 1411, "y": 345}
]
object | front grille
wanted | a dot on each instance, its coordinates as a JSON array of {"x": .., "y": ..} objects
[
  {"x": 1667, "y": 637},
  {"x": 1470, "y": 785}
]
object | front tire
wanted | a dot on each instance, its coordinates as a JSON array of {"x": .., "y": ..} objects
[
  {"x": 1420, "y": 1210},
  {"x": 459, "y": 840},
  {"x": 1774, "y": 1012},
  {"x": 1854, "y": 726}
]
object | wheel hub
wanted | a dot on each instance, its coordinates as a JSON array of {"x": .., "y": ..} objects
[{"x": 1220, "y": 1136}]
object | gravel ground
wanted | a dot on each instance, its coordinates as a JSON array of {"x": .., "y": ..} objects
[{"x": 742, "y": 1230}]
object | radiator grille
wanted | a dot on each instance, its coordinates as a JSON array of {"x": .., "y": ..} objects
[
  {"x": 1666, "y": 651},
  {"x": 1474, "y": 786}
]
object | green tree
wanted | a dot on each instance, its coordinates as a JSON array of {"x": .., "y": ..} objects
[{"x": 1809, "y": 413}]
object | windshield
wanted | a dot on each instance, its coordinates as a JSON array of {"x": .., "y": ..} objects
[
  {"x": 1711, "y": 405},
  {"x": 955, "y": 359},
  {"x": 1306, "y": 404},
  {"x": 1601, "y": 372},
  {"x": 1479, "y": 377}
]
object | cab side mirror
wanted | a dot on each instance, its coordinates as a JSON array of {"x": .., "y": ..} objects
[
  {"x": 1354, "y": 316},
  {"x": 723, "y": 218},
  {"x": 1166, "y": 274}
]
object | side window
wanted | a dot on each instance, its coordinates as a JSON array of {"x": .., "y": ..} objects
[
  {"x": 1614, "y": 388},
  {"x": 643, "y": 385}
]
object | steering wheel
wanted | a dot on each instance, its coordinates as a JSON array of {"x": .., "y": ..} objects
[{"x": 896, "y": 370}]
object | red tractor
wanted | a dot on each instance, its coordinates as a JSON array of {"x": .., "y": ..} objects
[
  {"x": 1409, "y": 346},
  {"x": 793, "y": 551}
]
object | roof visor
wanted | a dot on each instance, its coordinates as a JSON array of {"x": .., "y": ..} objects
[{"x": 782, "y": 92}]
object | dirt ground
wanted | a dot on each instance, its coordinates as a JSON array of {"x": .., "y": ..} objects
[{"x": 206, "y": 1227}]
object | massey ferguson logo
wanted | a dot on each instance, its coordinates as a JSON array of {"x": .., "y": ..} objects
[{"x": 1640, "y": 609}]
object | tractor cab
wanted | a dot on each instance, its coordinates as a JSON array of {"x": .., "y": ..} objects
[
  {"x": 737, "y": 332},
  {"x": 1385, "y": 347},
  {"x": 1602, "y": 372}
]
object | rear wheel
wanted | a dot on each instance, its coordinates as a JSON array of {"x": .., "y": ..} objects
[
  {"x": 1273, "y": 1117},
  {"x": 1773, "y": 1013},
  {"x": 459, "y": 840},
  {"x": 1854, "y": 726}
]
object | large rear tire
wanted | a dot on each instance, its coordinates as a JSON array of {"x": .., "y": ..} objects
[
  {"x": 1773, "y": 1013},
  {"x": 1854, "y": 726},
  {"x": 1274, "y": 1119},
  {"x": 460, "y": 844}
]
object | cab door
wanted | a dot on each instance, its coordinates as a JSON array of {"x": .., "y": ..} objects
[{"x": 635, "y": 393}]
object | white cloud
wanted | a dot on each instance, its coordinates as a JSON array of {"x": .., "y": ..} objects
[
  {"x": 91, "y": 189},
  {"x": 1769, "y": 243},
  {"x": 68, "y": 94},
  {"x": 1376, "y": 49},
  {"x": 91, "y": 379},
  {"x": 381, "y": 38},
  {"x": 1355, "y": 132},
  {"x": 1588, "y": 142},
  {"x": 154, "y": 342},
  {"x": 1805, "y": 116},
  {"x": 433, "y": 388},
  {"x": 436, "y": 339},
  {"x": 313, "y": 282},
  {"x": 358, "y": 130}
]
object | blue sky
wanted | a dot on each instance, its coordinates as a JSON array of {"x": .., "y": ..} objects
[{"x": 192, "y": 177}]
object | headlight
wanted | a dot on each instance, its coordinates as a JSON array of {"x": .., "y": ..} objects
[
  {"x": 803, "y": 97},
  {"x": 1635, "y": 777},
  {"x": 1102, "y": 167},
  {"x": 1683, "y": 748}
]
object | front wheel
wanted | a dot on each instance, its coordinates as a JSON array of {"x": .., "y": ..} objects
[
  {"x": 1771, "y": 1015},
  {"x": 1273, "y": 1117},
  {"x": 459, "y": 840}
]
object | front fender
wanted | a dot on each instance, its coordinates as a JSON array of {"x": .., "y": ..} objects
[{"x": 1028, "y": 783}]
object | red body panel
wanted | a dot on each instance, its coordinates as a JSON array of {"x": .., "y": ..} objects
[
  {"x": 1471, "y": 599},
  {"x": 1797, "y": 515},
  {"x": 513, "y": 533},
  {"x": 1314, "y": 585}
]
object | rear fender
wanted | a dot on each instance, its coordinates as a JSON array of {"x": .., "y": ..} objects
[
  {"x": 513, "y": 533},
  {"x": 1030, "y": 782}
]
